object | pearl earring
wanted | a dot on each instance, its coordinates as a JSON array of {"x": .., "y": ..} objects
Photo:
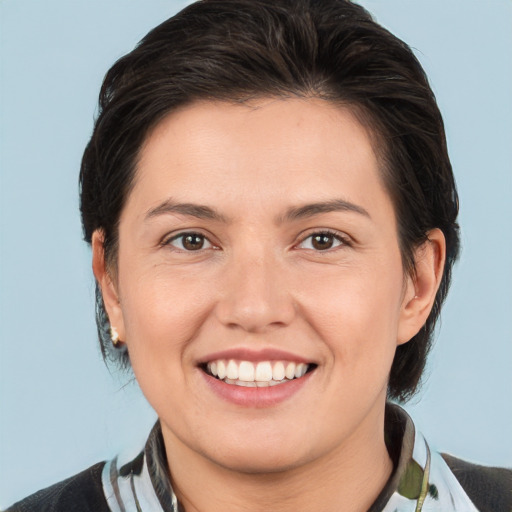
[{"x": 114, "y": 335}]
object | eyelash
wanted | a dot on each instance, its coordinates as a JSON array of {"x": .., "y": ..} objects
[
  {"x": 183, "y": 236},
  {"x": 343, "y": 241}
]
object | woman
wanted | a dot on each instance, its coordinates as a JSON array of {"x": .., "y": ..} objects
[{"x": 272, "y": 215}]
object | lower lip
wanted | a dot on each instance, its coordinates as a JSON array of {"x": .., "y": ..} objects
[{"x": 256, "y": 397}]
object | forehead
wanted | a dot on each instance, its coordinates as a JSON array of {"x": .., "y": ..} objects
[{"x": 281, "y": 149}]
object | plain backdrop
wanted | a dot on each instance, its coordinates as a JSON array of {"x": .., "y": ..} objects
[{"x": 61, "y": 408}]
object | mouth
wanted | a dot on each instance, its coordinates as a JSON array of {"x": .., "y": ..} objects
[{"x": 259, "y": 374}]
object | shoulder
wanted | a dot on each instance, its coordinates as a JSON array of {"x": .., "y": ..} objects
[
  {"x": 489, "y": 488},
  {"x": 82, "y": 492}
]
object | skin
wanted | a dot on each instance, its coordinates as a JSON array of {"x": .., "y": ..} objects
[{"x": 258, "y": 282}]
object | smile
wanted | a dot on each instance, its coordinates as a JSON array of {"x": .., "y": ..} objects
[{"x": 261, "y": 374}]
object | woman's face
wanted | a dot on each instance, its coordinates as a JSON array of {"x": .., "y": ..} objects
[{"x": 258, "y": 240}]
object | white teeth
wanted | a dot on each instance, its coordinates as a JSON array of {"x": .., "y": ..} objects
[
  {"x": 221, "y": 370},
  {"x": 240, "y": 383},
  {"x": 246, "y": 371},
  {"x": 290, "y": 371},
  {"x": 232, "y": 370},
  {"x": 264, "y": 371},
  {"x": 300, "y": 370},
  {"x": 262, "y": 374},
  {"x": 278, "y": 371}
]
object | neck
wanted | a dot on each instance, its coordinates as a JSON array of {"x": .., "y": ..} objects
[{"x": 348, "y": 478}]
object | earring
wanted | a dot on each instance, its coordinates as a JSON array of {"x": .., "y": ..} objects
[{"x": 114, "y": 336}]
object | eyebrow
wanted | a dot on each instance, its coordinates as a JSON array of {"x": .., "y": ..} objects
[
  {"x": 295, "y": 213},
  {"x": 310, "y": 210},
  {"x": 190, "y": 209}
]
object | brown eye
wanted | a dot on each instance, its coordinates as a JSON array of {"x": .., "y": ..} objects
[
  {"x": 193, "y": 242},
  {"x": 190, "y": 242},
  {"x": 323, "y": 241}
]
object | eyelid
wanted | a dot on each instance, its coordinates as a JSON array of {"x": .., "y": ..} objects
[
  {"x": 169, "y": 238},
  {"x": 343, "y": 238}
]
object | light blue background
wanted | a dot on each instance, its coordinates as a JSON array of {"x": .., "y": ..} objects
[{"x": 61, "y": 409}]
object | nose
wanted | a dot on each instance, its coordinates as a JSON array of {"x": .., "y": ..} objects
[{"x": 255, "y": 295}]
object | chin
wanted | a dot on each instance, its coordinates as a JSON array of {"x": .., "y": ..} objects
[
  {"x": 261, "y": 455},
  {"x": 259, "y": 462}
]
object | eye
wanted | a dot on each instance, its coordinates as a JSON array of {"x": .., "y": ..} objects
[
  {"x": 323, "y": 241},
  {"x": 189, "y": 242}
]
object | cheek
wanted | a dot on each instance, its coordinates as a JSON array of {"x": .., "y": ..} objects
[
  {"x": 163, "y": 313},
  {"x": 356, "y": 313}
]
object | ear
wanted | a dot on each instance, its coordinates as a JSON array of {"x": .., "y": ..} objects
[
  {"x": 107, "y": 285},
  {"x": 421, "y": 288}
]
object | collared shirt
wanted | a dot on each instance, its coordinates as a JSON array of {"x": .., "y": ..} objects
[{"x": 421, "y": 480}]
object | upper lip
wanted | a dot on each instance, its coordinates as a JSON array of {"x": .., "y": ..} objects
[{"x": 250, "y": 354}]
